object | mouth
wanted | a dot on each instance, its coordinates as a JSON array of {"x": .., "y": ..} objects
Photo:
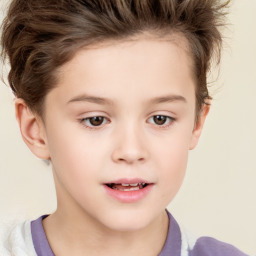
[
  {"x": 128, "y": 191},
  {"x": 127, "y": 186}
]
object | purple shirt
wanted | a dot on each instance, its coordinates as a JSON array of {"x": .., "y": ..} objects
[{"x": 204, "y": 246}]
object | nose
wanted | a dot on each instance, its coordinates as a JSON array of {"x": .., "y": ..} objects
[{"x": 130, "y": 146}]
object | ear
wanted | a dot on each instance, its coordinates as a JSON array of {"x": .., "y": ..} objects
[
  {"x": 32, "y": 130},
  {"x": 199, "y": 126}
]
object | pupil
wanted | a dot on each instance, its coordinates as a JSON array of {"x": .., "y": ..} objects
[
  {"x": 96, "y": 121},
  {"x": 160, "y": 120}
]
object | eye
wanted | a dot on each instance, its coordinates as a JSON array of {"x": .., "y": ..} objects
[
  {"x": 94, "y": 121},
  {"x": 161, "y": 120}
]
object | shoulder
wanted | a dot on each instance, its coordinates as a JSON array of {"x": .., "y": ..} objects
[
  {"x": 207, "y": 246},
  {"x": 180, "y": 242},
  {"x": 16, "y": 239}
]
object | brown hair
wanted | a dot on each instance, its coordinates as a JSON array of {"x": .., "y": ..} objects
[{"x": 40, "y": 36}]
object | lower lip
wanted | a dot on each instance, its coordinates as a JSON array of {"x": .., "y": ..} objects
[{"x": 129, "y": 196}]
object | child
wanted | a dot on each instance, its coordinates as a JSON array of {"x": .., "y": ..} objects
[{"x": 113, "y": 94}]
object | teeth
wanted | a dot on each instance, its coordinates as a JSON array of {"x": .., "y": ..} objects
[
  {"x": 127, "y": 187},
  {"x": 132, "y": 189},
  {"x": 133, "y": 185}
]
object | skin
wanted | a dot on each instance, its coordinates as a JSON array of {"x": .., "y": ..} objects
[{"x": 132, "y": 77}]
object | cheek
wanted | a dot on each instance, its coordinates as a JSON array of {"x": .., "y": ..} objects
[
  {"x": 172, "y": 176},
  {"x": 172, "y": 162},
  {"x": 173, "y": 165},
  {"x": 75, "y": 169},
  {"x": 73, "y": 155}
]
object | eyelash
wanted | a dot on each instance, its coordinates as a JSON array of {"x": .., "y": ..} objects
[
  {"x": 169, "y": 120},
  {"x": 89, "y": 125},
  {"x": 89, "y": 119}
]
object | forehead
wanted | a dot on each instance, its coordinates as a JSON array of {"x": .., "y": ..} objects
[{"x": 129, "y": 67}]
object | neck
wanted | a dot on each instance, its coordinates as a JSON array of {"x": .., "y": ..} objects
[{"x": 75, "y": 234}]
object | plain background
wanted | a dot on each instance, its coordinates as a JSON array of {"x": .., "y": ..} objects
[{"x": 218, "y": 197}]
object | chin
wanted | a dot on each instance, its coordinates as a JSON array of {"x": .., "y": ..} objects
[{"x": 128, "y": 221}]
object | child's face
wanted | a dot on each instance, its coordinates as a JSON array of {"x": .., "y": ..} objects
[{"x": 142, "y": 95}]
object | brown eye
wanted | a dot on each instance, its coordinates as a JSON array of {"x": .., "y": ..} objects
[
  {"x": 95, "y": 120},
  {"x": 160, "y": 120}
]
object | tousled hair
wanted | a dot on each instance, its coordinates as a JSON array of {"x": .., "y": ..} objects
[{"x": 38, "y": 37}]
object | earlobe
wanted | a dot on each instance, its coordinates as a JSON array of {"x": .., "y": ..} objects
[
  {"x": 32, "y": 130},
  {"x": 199, "y": 126}
]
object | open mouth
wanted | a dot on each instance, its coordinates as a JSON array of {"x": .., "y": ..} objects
[
  {"x": 127, "y": 187},
  {"x": 128, "y": 191}
]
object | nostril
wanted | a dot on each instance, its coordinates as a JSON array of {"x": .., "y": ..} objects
[
  {"x": 131, "y": 159},
  {"x": 132, "y": 155}
]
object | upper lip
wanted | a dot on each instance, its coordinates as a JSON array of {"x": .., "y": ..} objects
[{"x": 129, "y": 181}]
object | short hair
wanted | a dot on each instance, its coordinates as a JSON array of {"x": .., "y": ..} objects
[{"x": 39, "y": 36}]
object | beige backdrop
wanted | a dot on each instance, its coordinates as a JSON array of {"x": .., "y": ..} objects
[{"x": 218, "y": 197}]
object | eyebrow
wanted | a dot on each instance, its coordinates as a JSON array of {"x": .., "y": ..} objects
[
  {"x": 105, "y": 101},
  {"x": 92, "y": 99},
  {"x": 168, "y": 98}
]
